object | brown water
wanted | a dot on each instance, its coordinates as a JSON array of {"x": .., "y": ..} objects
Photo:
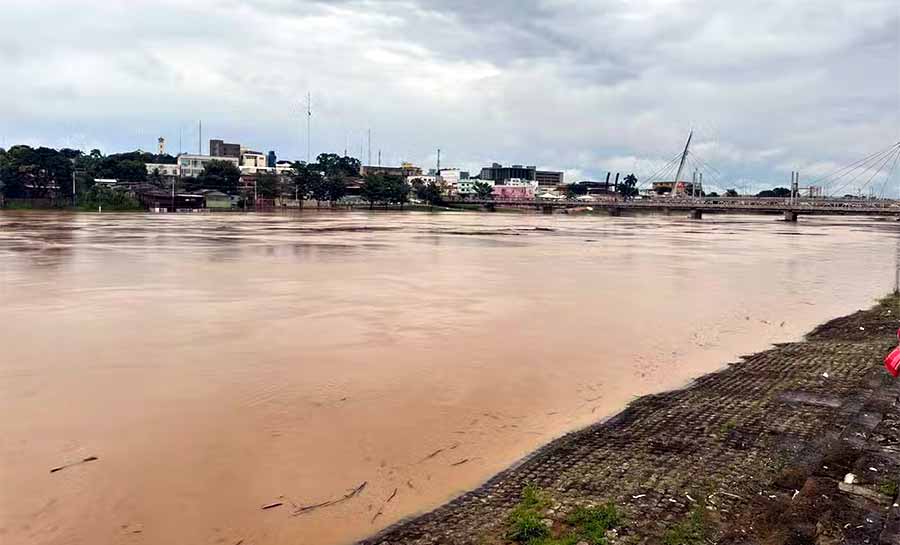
[{"x": 217, "y": 363}]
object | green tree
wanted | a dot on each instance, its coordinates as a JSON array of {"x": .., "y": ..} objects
[
  {"x": 109, "y": 199},
  {"x": 267, "y": 185},
  {"x": 778, "y": 192},
  {"x": 397, "y": 189},
  {"x": 333, "y": 165},
  {"x": 318, "y": 190},
  {"x": 221, "y": 175},
  {"x": 628, "y": 186},
  {"x": 731, "y": 193},
  {"x": 430, "y": 192},
  {"x": 335, "y": 188},
  {"x": 483, "y": 190},
  {"x": 305, "y": 177},
  {"x": 36, "y": 173},
  {"x": 576, "y": 190},
  {"x": 373, "y": 189}
]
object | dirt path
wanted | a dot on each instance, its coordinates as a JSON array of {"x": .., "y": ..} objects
[{"x": 751, "y": 454}]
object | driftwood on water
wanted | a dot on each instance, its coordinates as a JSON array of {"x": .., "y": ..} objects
[
  {"x": 60, "y": 468},
  {"x": 387, "y": 501},
  {"x": 306, "y": 509}
]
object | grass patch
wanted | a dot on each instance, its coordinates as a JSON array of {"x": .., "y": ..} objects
[
  {"x": 728, "y": 427},
  {"x": 586, "y": 524},
  {"x": 692, "y": 531},
  {"x": 591, "y": 523},
  {"x": 888, "y": 488}
]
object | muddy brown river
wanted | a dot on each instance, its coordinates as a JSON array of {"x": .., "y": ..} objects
[{"x": 215, "y": 364}]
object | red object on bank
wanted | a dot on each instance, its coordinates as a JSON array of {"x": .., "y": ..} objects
[{"x": 892, "y": 361}]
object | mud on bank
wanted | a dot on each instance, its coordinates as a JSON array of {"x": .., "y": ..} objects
[{"x": 754, "y": 453}]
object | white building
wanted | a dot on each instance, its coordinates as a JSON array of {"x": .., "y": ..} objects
[
  {"x": 467, "y": 187},
  {"x": 166, "y": 170},
  {"x": 450, "y": 175},
  {"x": 192, "y": 165}
]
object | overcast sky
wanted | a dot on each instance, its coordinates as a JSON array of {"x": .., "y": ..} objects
[{"x": 581, "y": 86}]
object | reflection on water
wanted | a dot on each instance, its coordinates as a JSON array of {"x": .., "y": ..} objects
[{"x": 218, "y": 363}]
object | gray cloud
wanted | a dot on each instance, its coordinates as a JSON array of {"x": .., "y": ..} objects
[{"x": 583, "y": 86}]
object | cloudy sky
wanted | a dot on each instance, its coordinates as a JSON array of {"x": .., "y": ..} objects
[{"x": 583, "y": 86}]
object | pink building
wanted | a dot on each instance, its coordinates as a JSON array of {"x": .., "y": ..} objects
[{"x": 513, "y": 192}]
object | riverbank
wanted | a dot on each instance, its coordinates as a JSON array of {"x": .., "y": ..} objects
[{"x": 755, "y": 453}]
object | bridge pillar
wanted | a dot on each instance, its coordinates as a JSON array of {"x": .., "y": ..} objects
[
  {"x": 547, "y": 209},
  {"x": 490, "y": 207},
  {"x": 696, "y": 214},
  {"x": 615, "y": 212},
  {"x": 790, "y": 215}
]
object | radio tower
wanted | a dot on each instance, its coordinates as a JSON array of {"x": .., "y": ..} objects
[{"x": 308, "y": 122}]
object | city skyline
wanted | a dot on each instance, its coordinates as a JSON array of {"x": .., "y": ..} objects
[{"x": 583, "y": 88}]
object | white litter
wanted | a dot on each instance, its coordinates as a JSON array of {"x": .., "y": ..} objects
[
  {"x": 873, "y": 469},
  {"x": 849, "y": 478},
  {"x": 825, "y": 374},
  {"x": 639, "y": 496},
  {"x": 796, "y": 492},
  {"x": 688, "y": 496}
]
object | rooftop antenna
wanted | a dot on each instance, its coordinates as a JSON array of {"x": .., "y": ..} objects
[
  {"x": 369, "y": 160},
  {"x": 379, "y": 157},
  {"x": 200, "y": 139},
  {"x": 439, "y": 162}
]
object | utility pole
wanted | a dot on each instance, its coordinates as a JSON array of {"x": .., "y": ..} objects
[
  {"x": 379, "y": 157},
  {"x": 369, "y": 159},
  {"x": 200, "y": 139},
  {"x": 439, "y": 162},
  {"x": 308, "y": 124}
]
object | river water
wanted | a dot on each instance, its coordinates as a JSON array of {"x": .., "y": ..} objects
[{"x": 218, "y": 363}]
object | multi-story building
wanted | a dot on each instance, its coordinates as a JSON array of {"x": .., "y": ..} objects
[
  {"x": 467, "y": 186},
  {"x": 253, "y": 161},
  {"x": 405, "y": 170},
  {"x": 192, "y": 165},
  {"x": 548, "y": 178},
  {"x": 271, "y": 159},
  {"x": 218, "y": 148},
  {"x": 500, "y": 174},
  {"x": 165, "y": 170}
]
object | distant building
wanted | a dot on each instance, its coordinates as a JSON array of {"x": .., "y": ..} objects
[
  {"x": 161, "y": 146},
  {"x": 253, "y": 159},
  {"x": 284, "y": 168},
  {"x": 165, "y": 170},
  {"x": 218, "y": 148},
  {"x": 108, "y": 182},
  {"x": 548, "y": 178},
  {"x": 499, "y": 174},
  {"x": 467, "y": 186},
  {"x": 453, "y": 176},
  {"x": 405, "y": 170},
  {"x": 216, "y": 200},
  {"x": 514, "y": 191},
  {"x": 192, "y": 165},
  {"x": 271, "y": 159}
]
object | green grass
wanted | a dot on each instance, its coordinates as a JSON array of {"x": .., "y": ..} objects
[
  {"x": 585, "y": 524},
  {"x": 728, "y": 427},
  {"x": 691, "y": 531},
  {"x": 888, "y": 488}
]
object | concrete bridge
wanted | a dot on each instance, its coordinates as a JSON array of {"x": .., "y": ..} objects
[{"x": 695, "y": 208}]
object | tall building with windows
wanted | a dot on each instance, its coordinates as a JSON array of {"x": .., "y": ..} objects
[{"x": 218, "y": 148}]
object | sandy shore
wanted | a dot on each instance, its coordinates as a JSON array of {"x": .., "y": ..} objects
[{"x": 754, "y": 453}]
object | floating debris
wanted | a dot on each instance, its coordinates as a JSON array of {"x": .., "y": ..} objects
[{"x": 60, "y": 468}]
